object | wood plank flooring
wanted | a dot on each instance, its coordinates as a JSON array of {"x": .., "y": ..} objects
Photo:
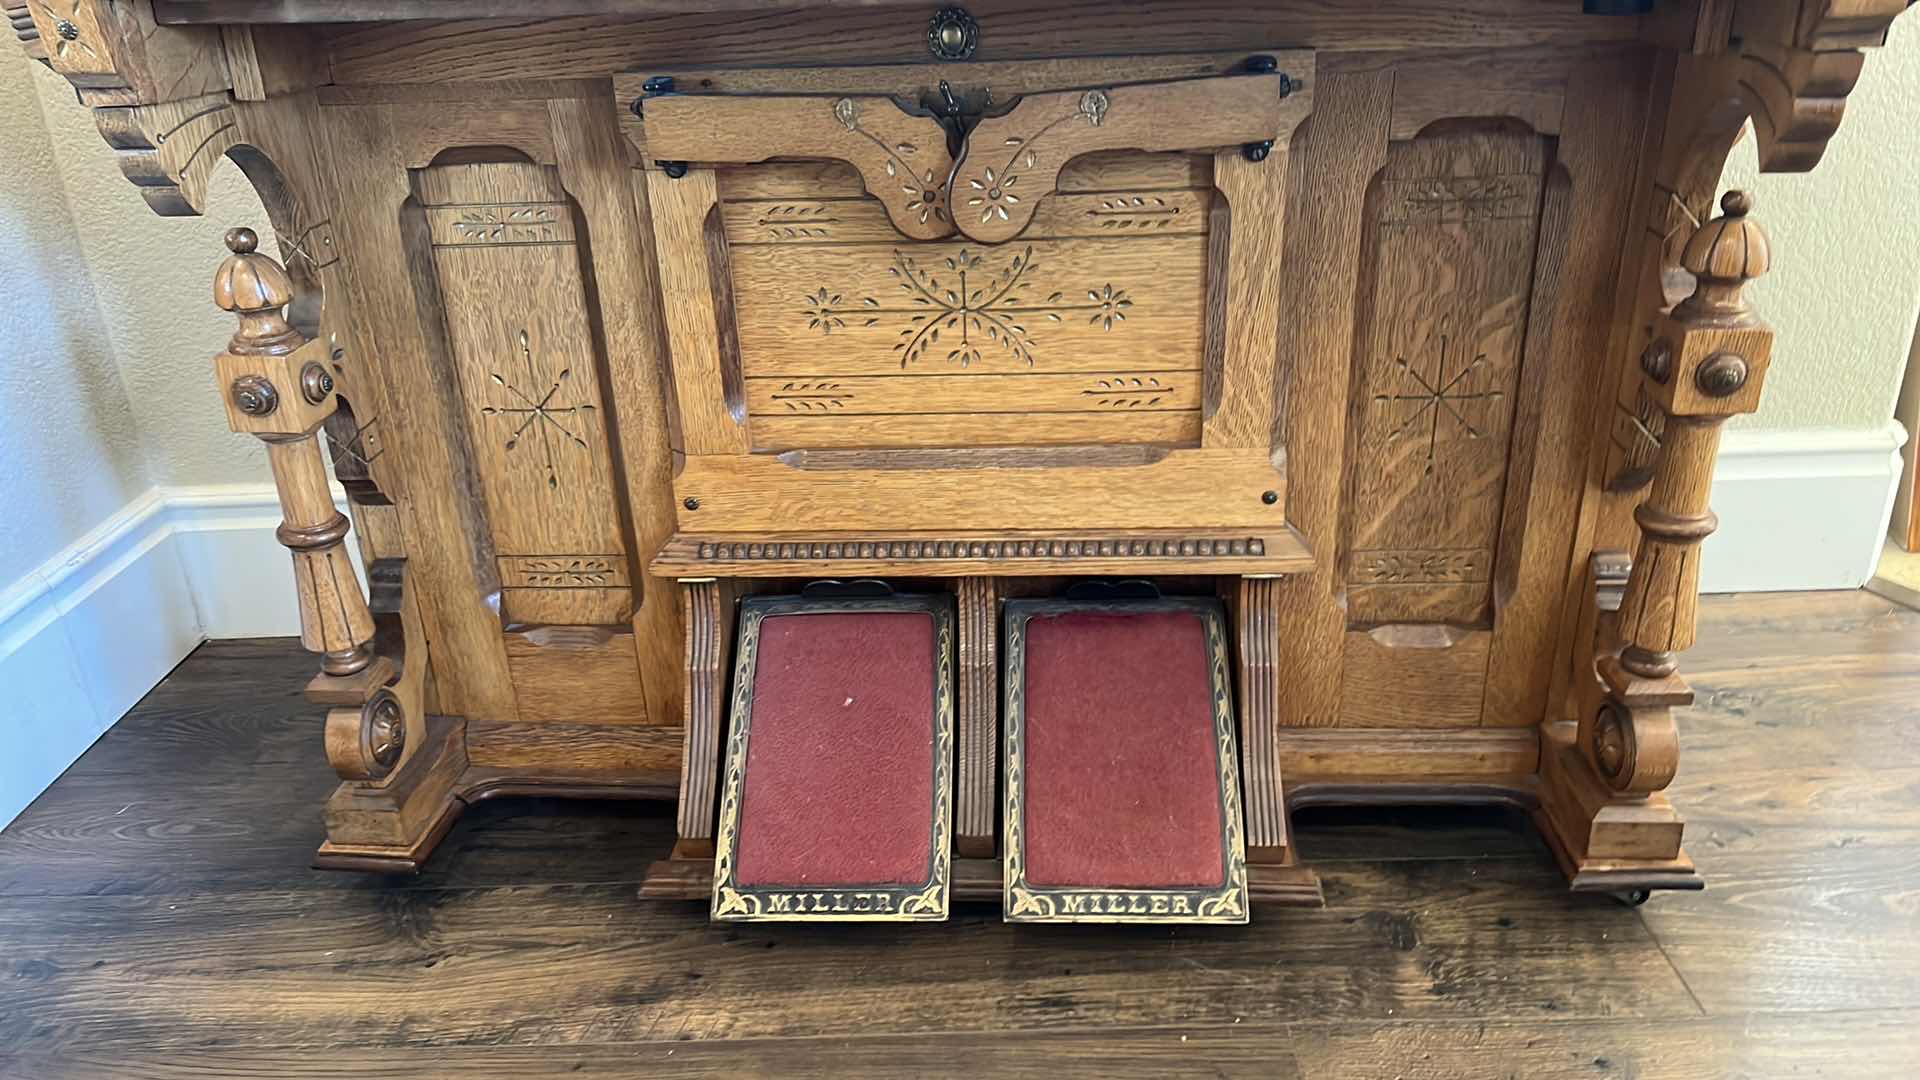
[{"x": 157, "y": 918}]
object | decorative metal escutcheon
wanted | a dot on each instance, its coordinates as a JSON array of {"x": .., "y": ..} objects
[
  {"x": 952, "y": 34},
  {"x": 383, "y": 729}
]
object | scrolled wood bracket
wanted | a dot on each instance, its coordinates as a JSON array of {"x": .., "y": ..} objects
[
  {"x": 1707, "y": 363},
  {"x": 367, "y": 742},
  {"x": 161, "y": 95},
  {"x": 276, "y": 387}
]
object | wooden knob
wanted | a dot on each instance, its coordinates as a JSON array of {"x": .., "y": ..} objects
[
  {"x": 255, "y": 288},
  {"x": 248, "y": 281},
  {"x": 1723, "y": 255},
  {"x": 1731, "y": 248}
]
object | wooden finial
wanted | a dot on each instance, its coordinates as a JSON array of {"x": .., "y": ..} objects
[
  {"x": 1723, "y": 255},
  {"x": 255, "y": 288}
]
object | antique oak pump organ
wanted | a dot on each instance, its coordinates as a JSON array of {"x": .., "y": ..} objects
[{"x": 1013, "y": 456}]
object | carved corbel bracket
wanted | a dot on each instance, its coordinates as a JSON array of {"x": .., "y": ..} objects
[
  {"x": 1788, "y": 65},
  {"x": 169, "y": 150},
  {"x": 160, "y": 94},
  {"x": 116, "y": 53}
]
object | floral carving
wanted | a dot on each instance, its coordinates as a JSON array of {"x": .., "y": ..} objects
[
  {"x": 807, "y": 395},
  {"x": 68, "y": 41},
  {"x": 567, "y": 573},
  {"x": 798, "y": 221},
  {"x": 926, "y": 193},
  {"x": 506, "y": 225},
  {"x": 825, "y": 314},
  {"x": 1428, "y": 401},
  {"x": 1143, "y": 212},
  {"x": 991, "y": 193},
  {"x": 1128, "y": 392},
  {"x": 950, "y": 303}
]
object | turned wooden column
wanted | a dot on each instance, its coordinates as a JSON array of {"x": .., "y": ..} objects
[
  {"x": 1706, "y": 363},
  {"x": 277, "y": 387}
]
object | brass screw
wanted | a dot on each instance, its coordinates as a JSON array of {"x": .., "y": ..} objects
[
  {"x": 1657, "y": 360},
  {"x": 254, "y": 395},
  {"x": 315, "y": 383},
  {"x": 1722, "y": 375}
]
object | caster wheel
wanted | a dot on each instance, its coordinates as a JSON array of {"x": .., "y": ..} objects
[{"x": 1633, "y": 897}]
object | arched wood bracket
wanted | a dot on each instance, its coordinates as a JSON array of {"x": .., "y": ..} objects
[
  {"x": 159, "y": 93},
  {"x": 170, "y": 150},
  {"x": 1010, "y": 162},
  {"x": 1793, "y": 65},
  {"x": 901, "y": 157},
  {"x": 1788, "y": 65},
  {"x": 162, "y": 95}
]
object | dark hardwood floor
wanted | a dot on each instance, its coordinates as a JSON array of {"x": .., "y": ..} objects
[{"x": 157, "y": 918}]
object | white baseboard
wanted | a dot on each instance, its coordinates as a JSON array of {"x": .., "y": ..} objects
[
  {"x": 87, "y": 633},
  {"x": 91, "y": 630},
  {"x": 1800, "y": 509}
]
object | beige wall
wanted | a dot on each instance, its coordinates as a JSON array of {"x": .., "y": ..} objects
[
  {"x": 154, "y": 279},
  {"x": 70, "y": 445}
]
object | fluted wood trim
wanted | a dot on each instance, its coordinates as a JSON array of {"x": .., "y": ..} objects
[
  {"x": 1257, "y": 641},
  {"x": 707, "y": 616},
  {"x": 975, "y": 808}
]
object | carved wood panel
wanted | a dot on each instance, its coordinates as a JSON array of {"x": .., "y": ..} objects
[
  {"x": 507, "y": 265},
  {"x": 1453, "y": 222},
  {"x": 1089, "y": 328}
]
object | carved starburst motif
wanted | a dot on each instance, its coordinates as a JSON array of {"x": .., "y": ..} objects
[
  {"x": 962, "y": 301},
  {"x": 993, "y": 196},
  {"x": 550, "y": 421},
  {"x": 65, "y": 20},
  {"x": 1427, "y": 399}
]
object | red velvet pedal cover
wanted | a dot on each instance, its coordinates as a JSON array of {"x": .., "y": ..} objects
[
  {"x": 1122, "y": 793},
  {"x": 837, "y": 799}
]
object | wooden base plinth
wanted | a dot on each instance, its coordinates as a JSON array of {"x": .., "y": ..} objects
[
  {"x": 1605, "y": 841},
  {"x": 979, "y": 880},
  {"x": 392, "y": 827}
]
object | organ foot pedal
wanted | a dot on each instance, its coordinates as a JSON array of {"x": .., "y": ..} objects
[
  {"x": 1122, "y": 802},
  {"x": 1119, "y": 763}
]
